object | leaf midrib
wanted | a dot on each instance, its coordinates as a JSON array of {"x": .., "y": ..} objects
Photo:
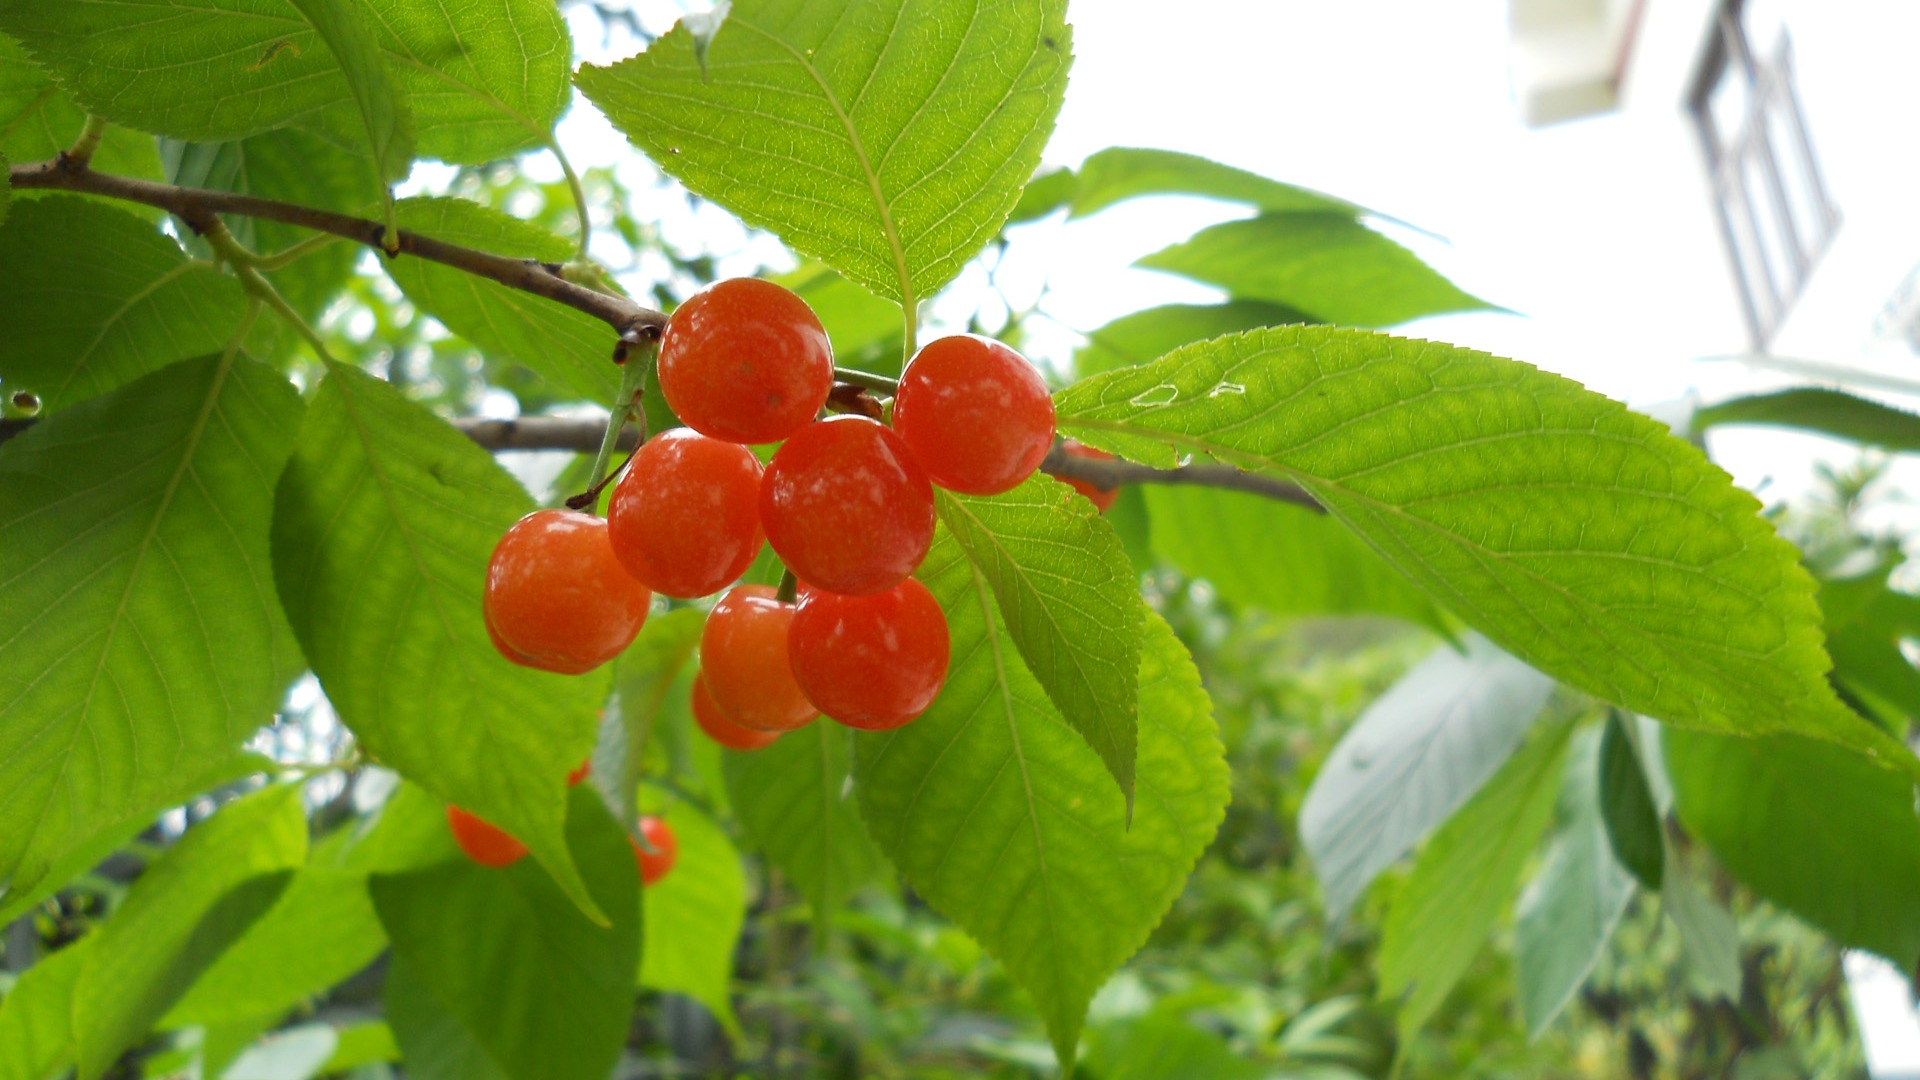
[{"x": 908, "y": 302}]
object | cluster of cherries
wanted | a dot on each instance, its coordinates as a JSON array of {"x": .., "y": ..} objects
[{"x": 846, "y": 503}]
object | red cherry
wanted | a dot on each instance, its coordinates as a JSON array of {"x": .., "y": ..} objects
[
  {"x": 872, "y": 662},
  {"x": 581, "y": 773},
  {"x": 746, "y": 361},
  {"x": 846, "y": 507},
  {"x": 976, "y": 415},
  {"x": 743, "y": 658},
  {"x": 685, "y": 516},
  {"x": 659, "y": 836},
  {"x": 719, "y": 728},
  {"x": 485, "y": 844},
  {"x": 1102, "y": 498},
  {"x": 557, "y": 599}
]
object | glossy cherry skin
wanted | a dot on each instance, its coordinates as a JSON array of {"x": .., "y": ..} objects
[
  {"x": 743, "y": 659},
  {"x": 685, "y": 517},
  {"x": 746, "y": 361},
  {"x": 1102, "y": 498},
  {"x": 847, "y": 507},
  {"x": 976, "y": 415},
  {"x": 720, "y": 729},
  {"x": 557, "y": 599},
  {"x": 655, "y": 864},
  {"x": 485, "y": 844},
  {"x": 872, "y": 662}
]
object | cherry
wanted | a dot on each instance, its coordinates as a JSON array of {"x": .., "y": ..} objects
[
  {"x": 872, "y": 662},
  {"x": 1102, "y": 498},
  {"x": 743, "y": 659},
  {"x": 976, "y": 415},
  {"x": 685, "y": 517},
  {"x": 556, "y": 598},
  {"x": 719, "y": 728},
  {"x": 581, "y": 773},
  {"x": 847, "y": 507},
  {"x": 659, "y": 836},
  {"x": 484, "y": 843},
  {"x": 746, "y": 361}
]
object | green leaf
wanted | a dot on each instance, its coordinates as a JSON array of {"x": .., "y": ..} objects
[
  {"x": 568, "y": 346},
  {"x": 1568, "y": 912},
  {"x": 361, "y": 1044},
  {"x": 293, "y": 166},
  {"x": 36, "y": 1016},
  {"x": 1627, "y": 808},
  {"x": 798, "y": 807},
  {"x": 140, "y": 643},
  {"x": 645, "y": 673},
  {"x": 1000, "y": 816},
  {"x": 1708, "y": 935},
  {"x": 1159, "y": 1046},
  {"x": 1583, "y": 538},
  {"x": 1464, "y": 877},
  {"x": 294, "y": 1053},
  {"x": 514, "y": 964},
  {"x": 180, "y": 915},
  {"x": 383, "y": 108},
  {"x": 865, "y": 330},
  {"x": 37, "y": 121},
  {"x": 486, "y": 78},
  {"x": 6, "y": 187},
  {"x": 1810, "y": 827},
  {"x": 1145, "y": 336},
  {"x": 1281, "y": 558},
  {"x": 208, "y": 70},
  {"x": 383, "y": 525},
  {"x": 1328, "y": 265},
  {"x": 1125, "y": 172},
  {"x": 97, "y": 297},
  {"x": 1069, "y": 600},
  {"x": 321, "y": 930},
  {"x": 1048, "y": 191},
  {"x": 1813, "y": 408},
  {"x": 433, "y": 1043},
  {"x": 889, "y": 141},
  {"x": 694, "y": 915},
  {"x": 1418, "y": 753}
]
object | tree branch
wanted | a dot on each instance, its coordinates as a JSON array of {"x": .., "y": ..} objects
[
  {"x": 582, "y": 435},
  {"x": 197, "y": 205}
]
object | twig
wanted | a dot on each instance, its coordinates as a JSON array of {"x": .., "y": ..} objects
[{"x": 197, "y": 204}]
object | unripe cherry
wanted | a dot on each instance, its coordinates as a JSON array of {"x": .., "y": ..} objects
[
  {"x": 484, "y": 843},
  {"x": 872, "y": 662},
  {"x": 976, "y": 415},
  {"x": 556, "y": 597},
  {"x": 666, "y": 850},
  {"x": 743, "y": 658},
  {"x": 1102, "y": 498},
  {"x": 685, "y": 517},
  {"x": 846, "y": 506},
  {"x": 745, "y": 360},
  {"x": 720, "y": 729}
]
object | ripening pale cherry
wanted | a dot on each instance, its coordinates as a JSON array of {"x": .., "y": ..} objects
[
  {"x": 484, "y": 843},
  {"x": 743, "y": 658},
  {"x": 745, "y": 360},
  {"x": 846, "y": 506},
  {"x": 707, "y": 714},
  {"x": 685, "y": 517},
  {"x": 976, "y": 414},
  {"x": 872, "y": 662},
  {"x": 654, "y": 864},
  {"x": 557, "y": 599},
  {"x": 1102, "y": 498}
]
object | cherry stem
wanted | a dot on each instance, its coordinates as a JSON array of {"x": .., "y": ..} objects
[
  {"x": 867, "y": 380},
  {"x": 626, "y": 406},
  {"x": 789, "y": 589}
]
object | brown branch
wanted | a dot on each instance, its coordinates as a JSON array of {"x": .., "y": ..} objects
[
  {"x": 582, "y": 435},
  {"x": 197, "y": 205}
]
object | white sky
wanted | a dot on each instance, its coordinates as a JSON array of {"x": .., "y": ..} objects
[{"x": 1599, "y": 233}]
